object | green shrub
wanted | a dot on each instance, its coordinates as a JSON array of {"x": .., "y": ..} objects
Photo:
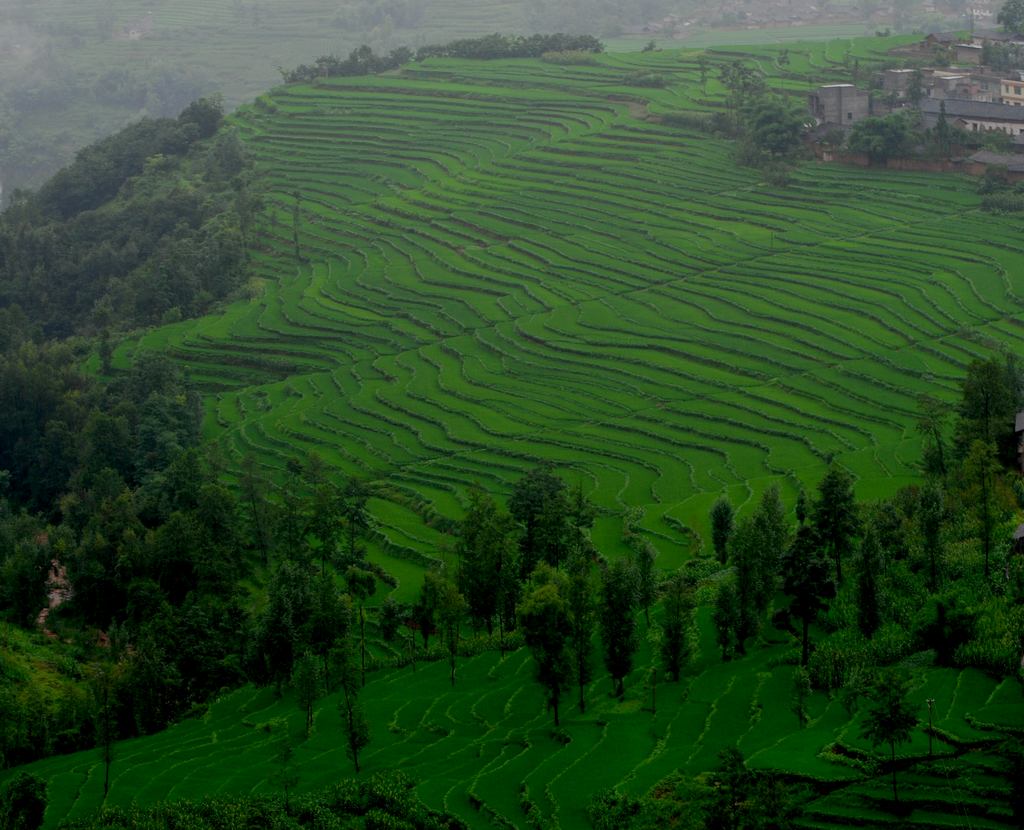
[
  {"x": 572, "y": 57},
  {"x": 653, "y": 80}
]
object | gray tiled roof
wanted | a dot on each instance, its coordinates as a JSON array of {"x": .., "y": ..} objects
[
  {"x": 958, "y": 108},
  {"x": 1015, "y": 164}
]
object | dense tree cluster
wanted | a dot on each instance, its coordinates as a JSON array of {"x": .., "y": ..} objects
[
  {"x": 385, "y": 800},
  {"x": 155, "y": 561},
  {"x": 363, "y": 61},
  {"x": 148, "y": 225}
]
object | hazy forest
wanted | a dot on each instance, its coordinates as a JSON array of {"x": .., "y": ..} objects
[{"x": 407, "y": 425}]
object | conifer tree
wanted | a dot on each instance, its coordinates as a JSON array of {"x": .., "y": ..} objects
[
  {"x": 618, "y": 624},
  {"x": 677, "y": 622},
  {"x": 581, "y": 606},
  {"x": 306, "y": 680},
  {"x": 722, "y": 518},
  {"x": 835, "y": 516},
  {"x": 806, "y": 580},
  {"x": 890, "y": 718},
  {"x": 547, "y": 627}
]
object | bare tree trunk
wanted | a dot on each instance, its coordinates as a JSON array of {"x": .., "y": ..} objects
[{"x": 895, "y": 794}]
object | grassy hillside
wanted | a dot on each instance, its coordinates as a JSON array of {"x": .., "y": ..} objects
[
  {"x": 484, "y": 750},
  {"x": 509, "y": 262}
]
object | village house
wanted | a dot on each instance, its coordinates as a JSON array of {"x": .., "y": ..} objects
[
  {"x": 968, "y": 53},
  {"x": 1012, "y": 91},
  {"x": 975, "y": 116},
  {"x": 896, "y": 82},
  {"x": 839, "y": 104}
]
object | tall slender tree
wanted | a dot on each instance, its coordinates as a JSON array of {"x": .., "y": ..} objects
[
  {"x": 835, "y": 516},
  {"x": 806, "y": 580},
  {"x": 353, "y": 720},
  {"x": 538, "y": 502},
  {"x": 618, "y": 621},
  {"x": 676, "y": 624},
  {"x": 356, "y": 517},
  {"x": 487, "y": 551},
  {"x": 726, "y": 618},
  {"x": 307, "y": 683},
  {"x": 929, "y": 515},
  {"x": 581, "y": 606},
  {"x": 451, "y": 611},
  {"x": 869, "y": 615},
  {"x": 890, "y": 718},
  {"x": 547, "y": 628},
  {"x": 361, "y": 585},
  {"x": 722, "y": 518}
]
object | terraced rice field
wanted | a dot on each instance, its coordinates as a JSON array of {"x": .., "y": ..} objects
[
  {"x": 507, "y": 262},
  {"x": 484, "y": 750}
]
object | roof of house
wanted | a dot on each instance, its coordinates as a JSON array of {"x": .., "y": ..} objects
[
  {"x": 946, "y": 37},
  {"x": 1013, "y": 163},
  {"x": 960, "y": 108},
  {"x": 996, "y": 35},
  {"x": 1019, "y": 427},
  {"x": 1018, "y": 533}
]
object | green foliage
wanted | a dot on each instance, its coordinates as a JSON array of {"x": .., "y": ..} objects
[
  {"x": 544, "y": 617},
  {"x": 772, "y": 130},
  {"x": 722, "y": 518},
  {"x": 488, "y": 563},
  {"x": 881, "y": 138},
  {"x": 835, "y": 517},
  {"x": 654, "y": 80},
  {"x": 889, "y": 718},
  {"x": 990, "y": 395},
  {"x": 581, "y": 606},
  {"x": 726, "y": 618},
  {"x": 498, "y": 46},
  {"x": 539, "y": 503},
  {"x": 307, "y": 682},
  {"x": 22, "y": 802},
  {"x": 677, "y": 625},
  {"x": 616, "y": 615},
  {"x": 135, "y": 229},
  {"x": 573, "y": 57},
  {"x": 805, "y": 578},
  {"x": 743, "y": 800},
  {"x": 1011, "y": 16},
  {"x": 383, "y": 801}
]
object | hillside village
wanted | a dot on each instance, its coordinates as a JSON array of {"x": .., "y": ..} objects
[{"x": 970, "y": 81}]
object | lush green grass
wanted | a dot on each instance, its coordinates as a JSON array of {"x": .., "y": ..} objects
[
  {"x": 504, "y": 264},
  {"x": 475, "y": 747},
  {"x": 710, "y": 38}
]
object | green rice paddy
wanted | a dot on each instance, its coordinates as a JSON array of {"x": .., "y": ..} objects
[
  {"x": 506, "y": 263},
  {"x": 485, "y": 749}
]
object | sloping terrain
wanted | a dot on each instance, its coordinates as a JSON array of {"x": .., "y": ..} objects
[
  {"x": 472, "y": 267},
  {"x": 485, "y": 750}
]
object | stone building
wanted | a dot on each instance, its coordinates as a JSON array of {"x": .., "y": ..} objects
[{"x": 839, "y": 104}]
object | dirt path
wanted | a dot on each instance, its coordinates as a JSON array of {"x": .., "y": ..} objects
[{"x": 58, "y": 591}]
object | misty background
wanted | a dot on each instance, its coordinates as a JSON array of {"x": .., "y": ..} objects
[{"x": 72, "y": 71}]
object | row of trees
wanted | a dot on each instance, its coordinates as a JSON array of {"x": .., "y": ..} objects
[
  {"x": 363, "y": 61},
  {"x": 156, "y": 564}
]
